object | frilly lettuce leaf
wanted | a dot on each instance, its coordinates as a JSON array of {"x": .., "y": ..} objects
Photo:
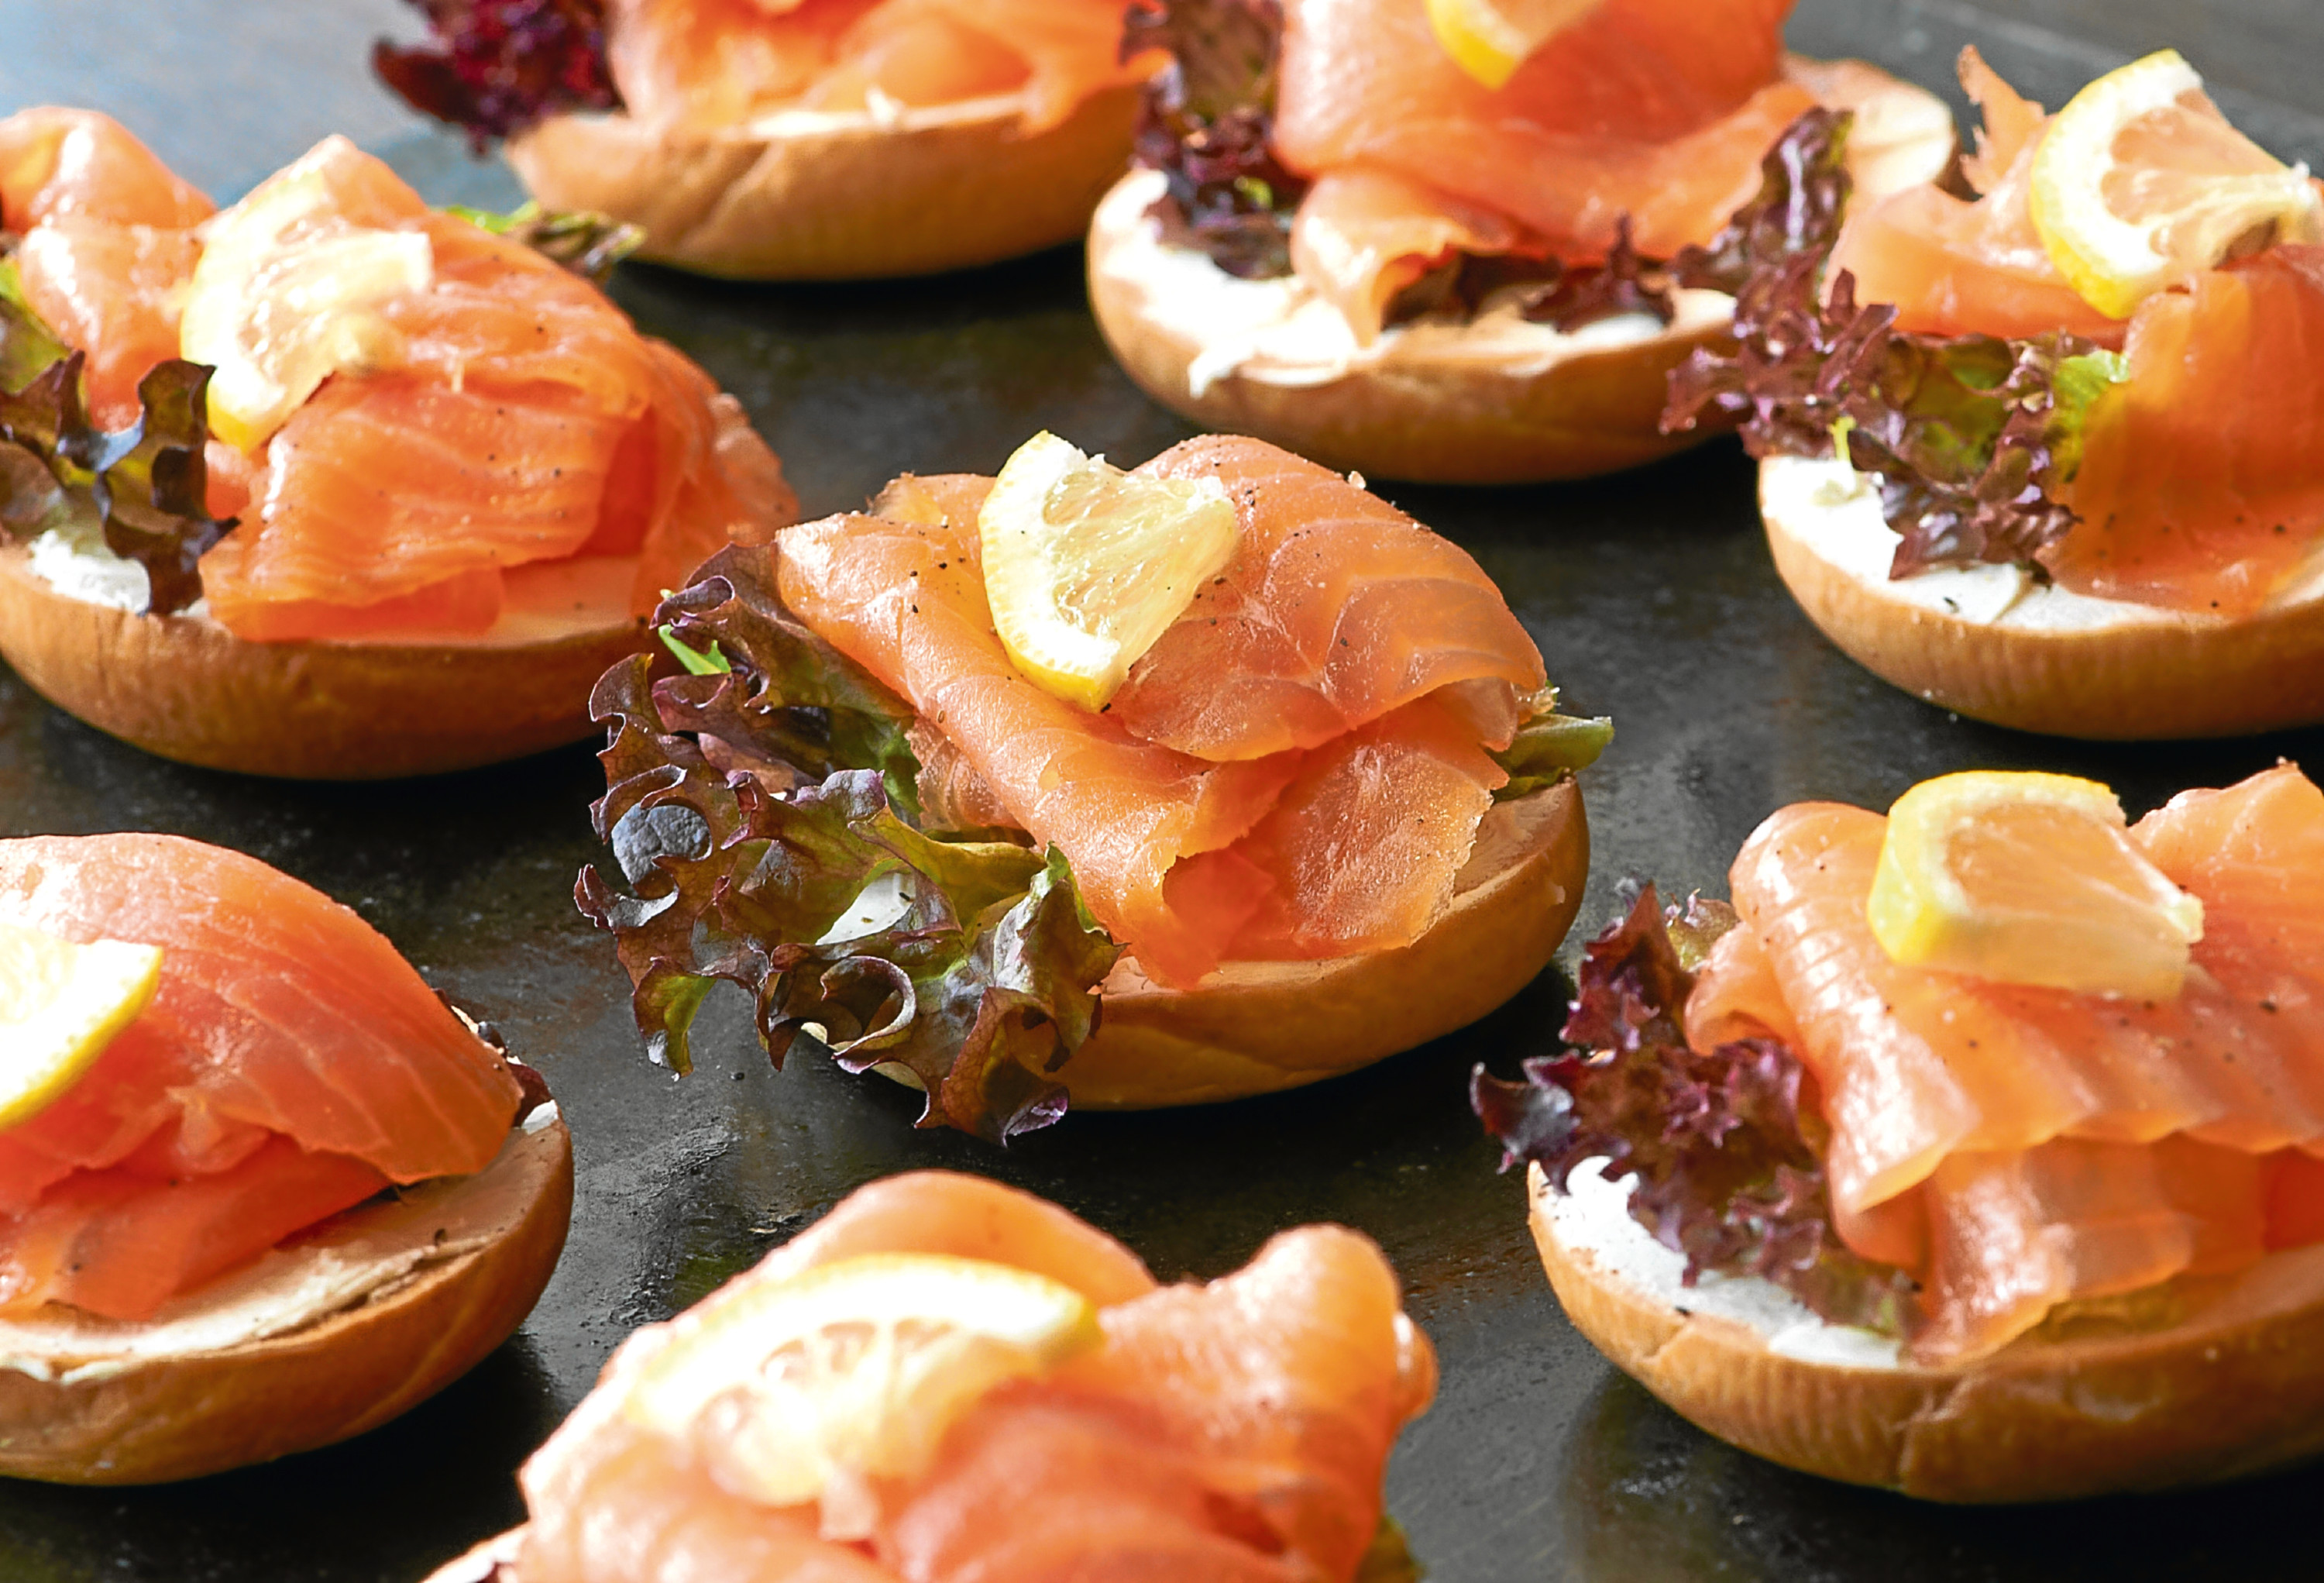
[
  {"x": 1550, "y": 746},
  {"x": 501, "y": 65},
  {"x": 1970, "y": 437},
  {"x": 1803, "y": 196},
  {"x": 1727, "y": 1148},
  {"x": 1564, "y": 296},
  {"x": 751, "y": 809},
  {"x": 584, "y": 241},
  {"x": 1206, "y": 122},
  {"x": 145, "y": 484}
]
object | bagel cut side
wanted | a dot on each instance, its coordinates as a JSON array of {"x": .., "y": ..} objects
[
  {"x": 333, "y": 1334},
  {"x": 2197, "y": 1381},
  {"x": 2041, "y": 659},
  {"x": 185, "y": 688},
  {"x": 832, "y": 195}
]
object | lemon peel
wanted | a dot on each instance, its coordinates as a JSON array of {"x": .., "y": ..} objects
[{"x": 1490, "y": 38}]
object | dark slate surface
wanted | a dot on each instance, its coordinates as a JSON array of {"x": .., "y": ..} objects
[{"x": 1652, "y": 597}]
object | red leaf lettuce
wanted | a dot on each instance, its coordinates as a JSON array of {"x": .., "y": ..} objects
[
  {"x": 501, "y": 65},
  {"x": 753, "y": 801}
]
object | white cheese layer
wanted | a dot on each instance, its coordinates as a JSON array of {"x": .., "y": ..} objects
[
  {"x": 1280, "y": 332},
  {"x": 1595, "y": 1214}
]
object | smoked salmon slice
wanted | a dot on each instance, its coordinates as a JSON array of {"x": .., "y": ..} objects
[
  {"x": 702, "y": 64},
  {"x": 289, "y": 1049},
  {"x": 56, "y": 163},
  {"x": 1346, "y": 664},
  {"x": 1235, "y": 1432},
  {"x": 2014, "y": 1147},
  {"x": 510, "y": 416}
]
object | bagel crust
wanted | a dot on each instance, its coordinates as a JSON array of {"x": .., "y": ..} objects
[
  {"x": 186, "y": 688},
  {"x": 2119, "y": 672},
  {"x": 2198, "y": 1381},
  {"x": 80, "y": 1408},
  {"x": 1442, "y": 422},
  {"x": 814, "y": 196},
  {"x": 1257, "y": 1027}
]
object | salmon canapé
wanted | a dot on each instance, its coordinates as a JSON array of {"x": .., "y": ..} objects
[
  {"x": 2014, "y": 1147},
  {"x": 1236, "y": 1430},
  {"x": 290, "y": 1066},
  {"x": 476, "y": 428}
]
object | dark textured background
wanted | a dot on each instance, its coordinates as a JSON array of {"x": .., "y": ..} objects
[{"x": 1650, "y": 595}]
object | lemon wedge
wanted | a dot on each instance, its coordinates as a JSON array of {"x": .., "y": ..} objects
[
  {"x": 1490, "y": 38},
  {"x": 1085, "y": 565},
  {"x": 285, "y": 295},
  {"x": 2140, "y": 183},
  {"x": 853, "y": 1369},
  {"x": 61, "y": 1004},
  {"x": 2034, "y": 879}
]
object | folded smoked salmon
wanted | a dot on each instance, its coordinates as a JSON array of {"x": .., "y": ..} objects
[
  {"x": 289, "y": 1067},
  {"x": 1296, "y": 768},
  {"x": 949, "y": 1379},
  {"x": 1973, "y": 1162}
]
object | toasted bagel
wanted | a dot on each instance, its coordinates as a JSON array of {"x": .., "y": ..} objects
[
  {"x": 2200, "y": 1380},
  {"x": 186, "y": 688},
  {"x": 812, "y": 195},
  {"x": 2032, "y": 657},
  {"x": 324, "y": 1338}
]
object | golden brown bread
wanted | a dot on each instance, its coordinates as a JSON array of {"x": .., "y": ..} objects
[
  {"x": 461, "y": 1263},
  {"x": 185, "y": 688},
  {"x": 836, "y": 197},
  {"x": 2195, "y": 1382}
]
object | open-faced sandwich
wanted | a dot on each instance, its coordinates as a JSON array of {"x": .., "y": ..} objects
[
  {"x": 949, "y": 1380},
  {"x": 1976, "y": 1151},
  {"x": 794, "y": 139},
  {"x": 2049, "y": 456},
  {"x": 1212, "y": 777},
  {"x": 259, "y": 1188},
  {"x": 1422, "y": 239},
  {"x": 330, "y": 483}
]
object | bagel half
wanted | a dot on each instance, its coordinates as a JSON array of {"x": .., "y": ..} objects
[
  {"x": 1257, "y": 1027},
  {"x": 811, "y": 195},
  {"x": 1497, "y": 402},
  {"x": 185, "y": 688},
  {"x": 2034, "y": 658},
  {"x": 2194, "y": 1382},
  {"x": 321, "y": 1341}
]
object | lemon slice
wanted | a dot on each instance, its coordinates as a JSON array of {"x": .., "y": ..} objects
[
  {"x": 1490, "y": 38},
  {"x": 285, "y": 295},
  {"x": 853, "y": 1369},
  {"x": 61, "y": 1004},
  {"x": 2140, "y": 183},
  {"x": 1085, "y": 565},
  {"x": 2029, "y": 879}
]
